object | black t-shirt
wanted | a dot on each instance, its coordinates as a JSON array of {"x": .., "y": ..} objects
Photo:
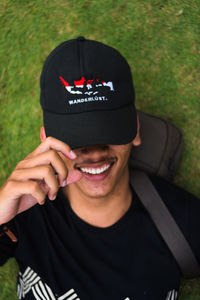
[{"x": 60, "y": 256}]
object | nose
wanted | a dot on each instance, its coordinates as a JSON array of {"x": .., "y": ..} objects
[{"x": 92, "y": 154}]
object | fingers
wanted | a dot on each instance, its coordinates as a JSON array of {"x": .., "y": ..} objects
[
  {"x": 47, "y": 154},
  {"x": 11, "y": 194},
  {"x": 43, "y": 173},
  {"x": 39, "y": 174},
  {"x": 42, "y": 168},
  {"x": 33, "y": 188},
  {"x": 51, "y": 157},
  {"x": 53, "y": 143},
  {"x": 17, "y": 189}
]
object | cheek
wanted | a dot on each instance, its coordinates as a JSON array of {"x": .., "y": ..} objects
[{"x": 123, "y": 153}]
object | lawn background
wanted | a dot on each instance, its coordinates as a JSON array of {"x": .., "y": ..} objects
[{"x": 160, "y": 40}]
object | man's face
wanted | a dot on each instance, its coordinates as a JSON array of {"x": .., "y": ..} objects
[{"x": 103, "y": 168}]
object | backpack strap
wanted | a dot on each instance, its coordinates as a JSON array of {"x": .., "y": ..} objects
[{"x": 165, "y": 224}]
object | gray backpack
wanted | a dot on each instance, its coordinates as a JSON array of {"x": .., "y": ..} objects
[{"x": 160, "y": 154}]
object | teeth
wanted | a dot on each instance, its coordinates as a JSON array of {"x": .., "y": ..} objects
[{"x": 95, "y": 171}]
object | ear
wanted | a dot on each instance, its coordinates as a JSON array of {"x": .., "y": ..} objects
[
  {"x": 42, "y": 134},
  {"x": 137, "y": 139}
]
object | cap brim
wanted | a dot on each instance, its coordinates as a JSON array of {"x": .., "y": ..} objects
[{"x": 114, "y": 127}]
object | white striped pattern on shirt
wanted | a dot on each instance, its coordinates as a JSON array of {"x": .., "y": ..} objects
[
  {"x": 30, "y": 281},
  {"x": 172, "y": 295}
]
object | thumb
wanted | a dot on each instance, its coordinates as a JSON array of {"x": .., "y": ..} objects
[{"x": 73, "y": 176}]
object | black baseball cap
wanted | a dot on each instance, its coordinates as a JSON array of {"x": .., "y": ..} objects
[{"x": 87, "y": 95}]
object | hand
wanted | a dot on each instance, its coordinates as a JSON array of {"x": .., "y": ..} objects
[{"x": 41, "y": 173}]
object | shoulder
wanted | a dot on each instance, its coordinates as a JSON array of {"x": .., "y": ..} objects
[
  {"x": 172, "y": 194},
  {"x": 183, "y": 206}
]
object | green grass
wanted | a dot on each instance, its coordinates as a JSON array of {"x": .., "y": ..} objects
[{"x": 160, "y": 40}]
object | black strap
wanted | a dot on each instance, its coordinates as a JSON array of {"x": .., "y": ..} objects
[{"x": 165, "y": 223}]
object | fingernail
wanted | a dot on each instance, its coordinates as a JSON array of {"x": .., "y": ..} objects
[
  {"x": 64, "y": 183},
  {"x": 72, "y": 154},
  {"x": 52, "y": 197}
]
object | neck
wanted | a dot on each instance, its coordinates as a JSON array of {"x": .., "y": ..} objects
[{"x": 101, "y": 211}]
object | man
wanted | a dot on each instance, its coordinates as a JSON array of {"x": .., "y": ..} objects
[{"x": 95, "y": 241}]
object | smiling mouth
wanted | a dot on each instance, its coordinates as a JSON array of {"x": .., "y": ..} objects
[{"x": 96, "y": 168}]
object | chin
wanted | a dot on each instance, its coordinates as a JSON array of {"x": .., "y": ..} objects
[{"x": 95, "y": 190}]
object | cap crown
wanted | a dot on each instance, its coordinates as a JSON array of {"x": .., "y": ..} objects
[{"x": 83, "y": 75}]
